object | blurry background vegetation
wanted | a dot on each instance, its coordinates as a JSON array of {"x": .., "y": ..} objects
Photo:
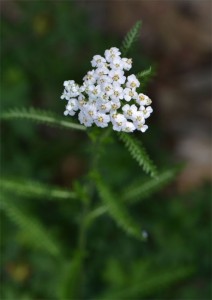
[{"x": 44, "y": 43}]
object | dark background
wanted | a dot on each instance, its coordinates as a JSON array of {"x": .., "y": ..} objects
[{"x": 44, "y": 43}]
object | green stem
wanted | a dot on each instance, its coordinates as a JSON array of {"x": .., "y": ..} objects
[
  {"x": 82, "y": 241},
  {"x": 86, "y": 203}
]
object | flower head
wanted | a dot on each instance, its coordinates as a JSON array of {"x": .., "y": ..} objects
[{"x": 108, "y": 96}]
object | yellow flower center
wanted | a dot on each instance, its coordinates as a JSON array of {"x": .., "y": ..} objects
[
  {"x": 100, "y": 119},
  {"x": 116, "y": 77},
  {"x": 133, "y": 84},
  {"x": 141, "y": 97},
  {"x": 114, "y": 106},
  {"x": 95, "y": 92},
  {"x": 108, "y": 88}
]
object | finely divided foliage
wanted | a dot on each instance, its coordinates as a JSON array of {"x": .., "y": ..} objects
[
  {"x": 40, "y": 116},
  {"x": 146, "y": 73},
  {"x": 140, "y": 190},
  {"x": 35, "y": 233},
  {"x": 131, "y": 38},
  {"x": 138, "y": 153},
  {"x": 28, "y": 188},
  {"x": 117, "y": 210}
]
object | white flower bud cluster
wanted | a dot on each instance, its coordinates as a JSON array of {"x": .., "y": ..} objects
[{"x": 108, "y": 96}]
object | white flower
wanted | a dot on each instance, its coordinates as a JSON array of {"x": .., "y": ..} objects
[
  {"x": 142, "y": 127},
  {"x": 115, "y": 104},
  {"x": 127, "y": 63},
  {"x": 117, "y": 92},
  {"x": 90, "y": 110},
  {"x": 117, "y": 76},
  {"x": 94, "y": 91},
  {"x": 98, "y": 61},
  {"x": 139, "y": 117},
  {"x": 132, "y": 82},
  {"x": 115, "y": 50},
  {"x": 130, "y": 111},
  {"x": 65, "y": 95},
  {"x": 102, "y": 120},
  {"x": 143, "y": 99},
  {"x": 104, "y": 107},
  {"x": 99, "y": 72},
  {"x": 117, "y": 63},
  {"x": 71, "y": 107},
  {"x": 111, "y": 54},
  {"x": 68, "y": 83},
  {"x": 81, "y": 101},
  {"x": 129, "y": 127},
  {"x": 129, "y": 94},
  {"x": 119, "y": 122},
  {"x": 103, "y": 98},
  {"x": 72, "y": 88},
  {"x": 85, "y": 120},
  {"x": 113, "y": 115},
  {"x": 103, "y": 79},
  {"x": 107, "y": 88},
  {"x": 89, "y": 78},
  {"x": 147, "y": 112}
]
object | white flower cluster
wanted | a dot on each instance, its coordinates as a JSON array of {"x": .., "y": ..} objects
[{"x": 108, "y": 96}]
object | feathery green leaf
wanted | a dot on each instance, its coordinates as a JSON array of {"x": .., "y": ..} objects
[
  {"x": 146, "y": 73},
  {"x": 139, "y": 190},
  {"x": 117, "y": 210},
  {"x": 130, "y": 38},
  {"x": 149, "y": 283},
  {"x": 139, "y": 153},
  {"x": 34, "y": 189},
  {"x": 48, "y": 118},
  {"x": 36, "y": 234}
]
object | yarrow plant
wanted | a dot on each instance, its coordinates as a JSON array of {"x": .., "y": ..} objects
[{"x": 108, "y": 95}]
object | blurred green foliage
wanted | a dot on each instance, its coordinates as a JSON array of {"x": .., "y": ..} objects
[{"x": 43, "y": 45}]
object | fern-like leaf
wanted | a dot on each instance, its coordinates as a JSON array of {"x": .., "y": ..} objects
[
  {"x": 139, "y": 153},
  {"x": 138, "y": 190},
  {"x": 40, "y": 116},
  {"x": 33, "y": 189},
  {"x": 36, "y": 234},
  {"x": 117, "y": 210},
  {"x": 96, "y": 212},
  {"x": 146, "y": 73},
  {"x": 130, "y": 38},
  {"x": 150, "y": 283}
]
